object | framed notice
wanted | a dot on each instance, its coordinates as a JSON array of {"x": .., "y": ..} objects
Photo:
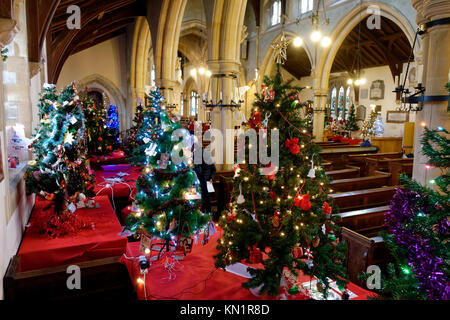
[{"x": 397, "y": 116}]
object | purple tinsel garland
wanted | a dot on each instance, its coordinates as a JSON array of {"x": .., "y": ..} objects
[{"x": 426, "y": 266}]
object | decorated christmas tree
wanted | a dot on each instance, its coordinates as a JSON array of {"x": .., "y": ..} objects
[
  {"x": 378, "y": 127},
  {"x": 284, "y": 212},
  {"x": 112, "y": 124},
  {"x": 368, "y": 128},
  {"x": 351, "y": 124},
  {"x": 419, "y": 227},
  {"x": 130, "y": 138},
  {"x": 167, "y": 192},
  {"x": 147, "y": 127},
  {"x": 59, "y": 172},
  {"x": 47, "y": 100},
  {"x": 100, "y": 140}
]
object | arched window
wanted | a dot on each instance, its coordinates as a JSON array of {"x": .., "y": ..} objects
[
  {"x": 194, "y": 103},
  {"x": 340, "y": 104},
  {"x": 347, "y": 103},
  {"x": 333, "y": 103},
  {"x": 276, "y": 12},
  {"x": 307, "y": 5}
]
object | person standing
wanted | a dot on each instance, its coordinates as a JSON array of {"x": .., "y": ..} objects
[{"x": 205, "y": 173}]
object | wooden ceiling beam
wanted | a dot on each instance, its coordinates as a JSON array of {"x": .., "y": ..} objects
[
  {"x": 39, "y": 17},
  {"x": 62, "y": 45}
]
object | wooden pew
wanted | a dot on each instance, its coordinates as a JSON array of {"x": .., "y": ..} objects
[
  {"x": 363, "y": 199},
  {"x": 327, "y": 145},
  {"x": 327, "y": 166},
  {"x": 349, "y": 172},
  {"x": 102, "y": 279},
  {"x": 339, "y": 155},
  {"x": 362, "y": 252},
  {"x": 381, "y": 179},
  {"x": 359, "y": 159},
  {"x": 397, "y": 168},
  {"x": 377, "y": 164},
  {"x": 367, "y": 221}
]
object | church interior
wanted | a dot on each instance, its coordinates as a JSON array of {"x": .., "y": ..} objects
[{"x": 224, "y": 150}]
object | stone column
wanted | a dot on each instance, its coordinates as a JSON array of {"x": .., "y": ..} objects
[
  {"x": 320, "y": 100},
  {"x": 223, "y": 82},
  {"x": 436, "y": 62}
]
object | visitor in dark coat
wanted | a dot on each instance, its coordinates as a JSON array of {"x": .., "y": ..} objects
[{"x": 205, "y": 172}]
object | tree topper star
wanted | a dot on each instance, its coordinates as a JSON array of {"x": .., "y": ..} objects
[{"x": 280, "y": 48}]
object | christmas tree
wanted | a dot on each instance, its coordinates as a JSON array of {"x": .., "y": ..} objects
[
  {"x": 378, "y": 127},
  {"x": 59, "y": 172},
  {"x": 130, "y": 139},
  {"x": 286, "y": 214},
  {"x": 167, "y": 190},
  {"x": 100, "y": 139},
  {"x": 112, "y": 124},
  {"x": 147, "y": 127},
  {"x": 419, "y": 227},
  {"x": 351, "y": 124},
  {"x": 47, "y": 99},
  {"x": 368, "y": 125}
]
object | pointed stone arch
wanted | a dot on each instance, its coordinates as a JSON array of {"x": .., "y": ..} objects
[
  {"x": 346, "y": 25},
  {"x": 99, "y": 83}
]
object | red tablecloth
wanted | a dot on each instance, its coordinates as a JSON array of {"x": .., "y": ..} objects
[
  {"x": 197, "y": 278},
  {"x": 116, "y": 189},
  {"x": 38, "y": 251}
]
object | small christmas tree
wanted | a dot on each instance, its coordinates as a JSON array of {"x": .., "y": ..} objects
[
  {"x": 367, "y": 130},
  {"x": 112, "y": 124},
  {"x": 130, "y": 138},
  {"x": 419, "y": 226},
  {"x": 284, "y": 213},
  {"x": 147, "y": 127},
  {"x": 378, "y": 127},
  {"x": 100, "y": 139},
  {"x": 166, "y": 191},
  {"x": 60, "y": 173},
  {"x": 351, "y": 124}
]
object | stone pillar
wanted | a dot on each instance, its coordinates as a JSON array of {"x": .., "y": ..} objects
[
  {"x": 320, "y": 100},
  {"x": 223, "y": 82},
  {"x": 436, "y": 62}
]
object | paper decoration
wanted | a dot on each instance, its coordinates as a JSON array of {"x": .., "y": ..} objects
[
  {"x": 71, "y": 207},
  {"x": 185, "y": 243},
  {"x": 145, "y": 245},
  {"x": 151, "y": 150},
  {"x": 73, "y": 120},
  {"x": 210, "y": 187},
  {"x": 192, "y": 194},
  {"x": 163, "y": 161},
  {"x": 68, "y": 138}
]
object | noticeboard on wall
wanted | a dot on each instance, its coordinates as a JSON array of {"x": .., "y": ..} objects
[{"x": 397, "y": 116}]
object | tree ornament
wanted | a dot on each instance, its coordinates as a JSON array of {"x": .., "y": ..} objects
[
  {"x": 297, "y": 251},
  {"x": 305, "y": 202},
  {"x": 292, "y": 145},
  {"x": 280, "y": 49},
  {"x": 316, "y": 242},
  {"x": 312, "y": 171},
  {"x": 255, "y": 255},
  {"x": 240, "y": 199},
  {"x": 327, "y": 209}
]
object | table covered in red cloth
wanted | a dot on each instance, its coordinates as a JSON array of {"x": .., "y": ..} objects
[
  {"x": 197, "y": 278},
  {"x": 116, "y": 189},
  {"x": 38, "y": 251}
]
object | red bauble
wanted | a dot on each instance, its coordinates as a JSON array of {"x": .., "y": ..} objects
[
  {"x": 272, "y": 195},
  {"x": 297, "y": 201},
  {"x": 326, "y": 208},
  {"x": 295, "y": 149},
  {"x": 100, "y": 139},
  {"x": 305, "y": 203}
]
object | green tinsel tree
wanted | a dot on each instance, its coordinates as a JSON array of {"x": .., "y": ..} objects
[
  {"x": 59, "y": 171},
  {"x": 167, "y": 192},
  {"x": 100, "y": 140},
  {"x": 285, "y": 214},
  {"x": 419, "y": 230},
  {"x": 352, "y": 124}
]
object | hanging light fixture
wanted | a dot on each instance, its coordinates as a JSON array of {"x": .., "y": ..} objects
[
  {"x": 358, "y": 80},
  {"x": 316, "y": 34}
]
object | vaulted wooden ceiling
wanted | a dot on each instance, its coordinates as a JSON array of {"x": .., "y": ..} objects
[
  {"x": 100, "y": 21},
  {"x": 379, "y": 47},
  {"x": 297, "y": 63}
]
